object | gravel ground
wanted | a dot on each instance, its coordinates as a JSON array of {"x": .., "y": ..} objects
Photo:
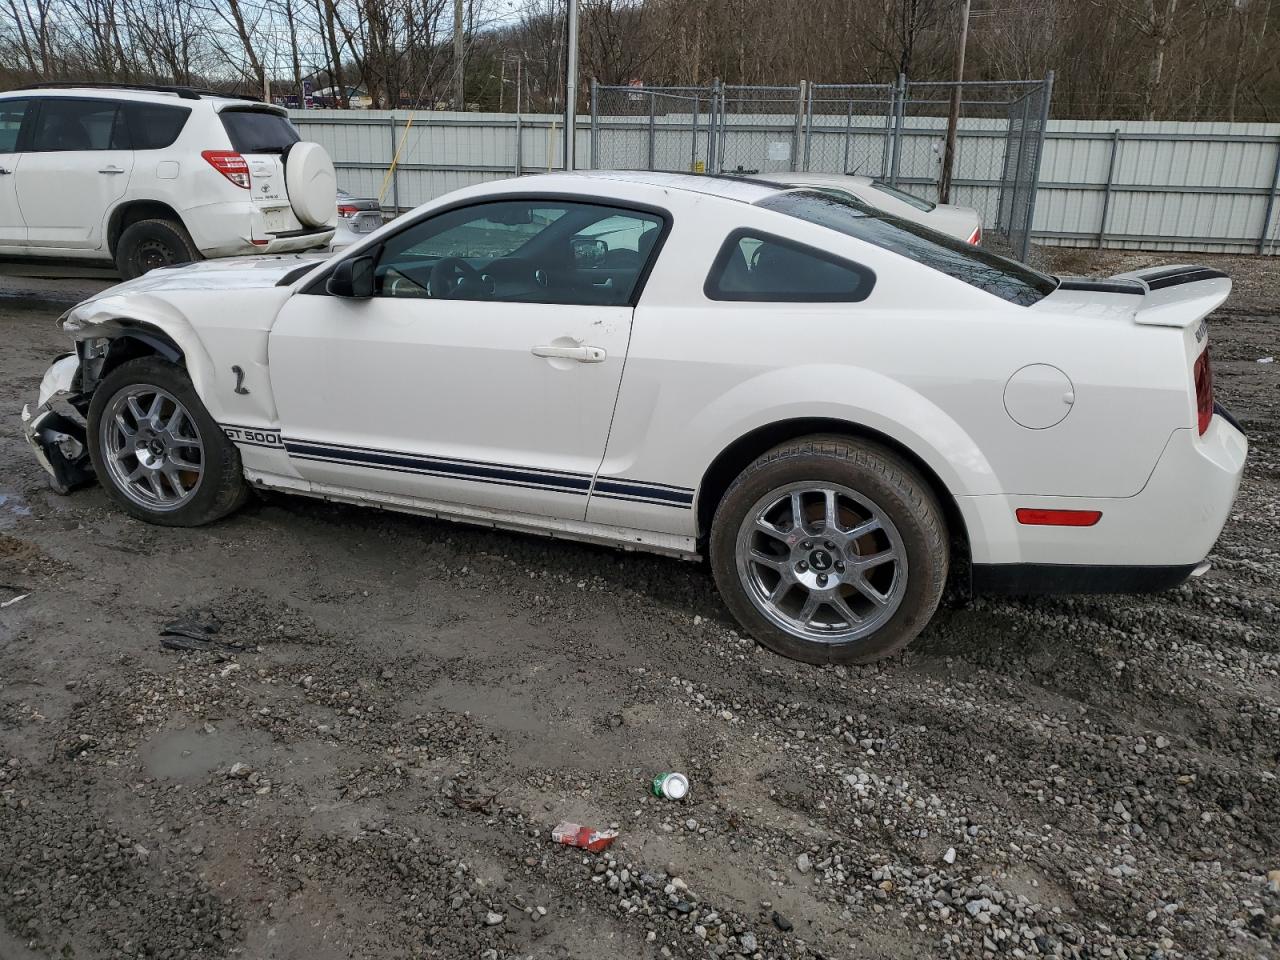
[{"x": 400, "y": 711}]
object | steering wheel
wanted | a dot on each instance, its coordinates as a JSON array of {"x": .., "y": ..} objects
[{"x": 450, "y": 275}]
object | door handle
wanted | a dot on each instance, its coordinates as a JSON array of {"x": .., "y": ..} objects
[
  {"x": 4, "y": 172},
  {"x": 581, "y": 354},
  {"x": 111, "y": 170}
]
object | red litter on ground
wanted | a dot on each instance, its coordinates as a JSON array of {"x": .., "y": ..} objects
[{"x": 588, "y": 838}]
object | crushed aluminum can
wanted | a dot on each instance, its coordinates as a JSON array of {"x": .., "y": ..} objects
[
  {"x": 670, "y": 786},
  {"x": 588, "y": 838}
]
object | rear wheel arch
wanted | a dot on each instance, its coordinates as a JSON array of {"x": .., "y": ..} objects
[
  {"x": 744, "y": 451},
  {"x": 135, "y": 211}
]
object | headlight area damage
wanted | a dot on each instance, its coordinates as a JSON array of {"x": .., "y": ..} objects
[
  {"x": 56, "y": 428},
  {"x": 56, "y": 425}
]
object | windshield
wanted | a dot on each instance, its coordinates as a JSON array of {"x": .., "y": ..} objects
[
  {"x": 1001, "y": 277},
  {"x": 259, "y": 131},
  {"x": 909, "y": 198}
]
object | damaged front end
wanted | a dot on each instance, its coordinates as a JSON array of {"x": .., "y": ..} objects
[{"x": 57, "y": 428}]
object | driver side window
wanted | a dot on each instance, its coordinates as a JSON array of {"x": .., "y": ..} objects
[{"x": 521, "y": 251}]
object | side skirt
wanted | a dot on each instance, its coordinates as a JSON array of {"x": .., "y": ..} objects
[{"x": 648, "y": 541}]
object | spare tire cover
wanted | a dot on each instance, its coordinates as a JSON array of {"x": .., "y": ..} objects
[{"x": 312, "y": 185}]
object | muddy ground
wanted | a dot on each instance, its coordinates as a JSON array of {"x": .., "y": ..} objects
[{"x": 406, "y": 708}]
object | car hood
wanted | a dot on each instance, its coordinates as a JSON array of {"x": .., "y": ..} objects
[{"x": 231, "y": 273}]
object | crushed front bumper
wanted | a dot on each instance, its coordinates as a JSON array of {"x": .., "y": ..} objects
[{"x": 56, "y": 428}]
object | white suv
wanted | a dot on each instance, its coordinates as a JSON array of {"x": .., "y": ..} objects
[{"x": 149, "y": 177}]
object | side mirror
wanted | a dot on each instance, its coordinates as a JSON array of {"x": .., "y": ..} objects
[{"x": 352, "y": 278}]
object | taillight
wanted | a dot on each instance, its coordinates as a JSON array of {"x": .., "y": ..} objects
[
  {"x": 1204, "y": 391},
  {"x": 976, "y": 238},
  {"x": 347, "y": 210},
  {"x": 230, "y": 164}
]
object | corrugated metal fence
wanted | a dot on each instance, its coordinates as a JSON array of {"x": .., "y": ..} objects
[{"x": 1208, "y": 187}]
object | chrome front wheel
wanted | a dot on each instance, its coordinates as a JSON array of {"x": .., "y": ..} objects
[{"x": 152, "y": 448}]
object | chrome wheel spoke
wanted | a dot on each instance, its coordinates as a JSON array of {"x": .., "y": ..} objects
[
  {"x": 811, "y": 604},
  {"x": 769, "y": 530},
  {"x": 122, "y": 425},
  {"x": 872, "y": 560},
  {"x": 781, "y": 590},
  {"x": 797, "y": 511},
  {"x": 830, "y": 510},
  {"x": 862, "y": 529},
  {"x": 773, "y": 563},
  {"x": 841, "y": 606},
  {"x": 183, "y": 464},
  {"x": 135, "y": 408},
  {"x": 157, "y": 405},
  {"x": 871, "y": 593}
]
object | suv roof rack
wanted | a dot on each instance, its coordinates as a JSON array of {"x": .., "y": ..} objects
[{"x": 184, "y": 92}]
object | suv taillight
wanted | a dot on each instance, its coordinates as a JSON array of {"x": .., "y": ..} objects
[
  {"x": 230, "y": 164},
  {"x": 347, "y": 210},
  {"x": 1204, "y": 391}
]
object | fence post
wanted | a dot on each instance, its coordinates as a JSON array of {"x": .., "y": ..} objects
[
  {"x": 848, "y": 136},
  {"x": 595, "y": 124},
  {"x": 797, "y": 130},
  {"x": 519, "y": 145},
  {"x": 895, "y": 160},
  {"x": 1046, "y": 94},
  {"x": 808, "y": 122},
  {"x": 1271, "y": 202},
  {"x": 653, "y": 106},
  {"x": 717, "y": 126},
  {"x": 693, "y": 136},
  {"x": 394, "y": 166},
  {"x": 1106, "y": 191}
]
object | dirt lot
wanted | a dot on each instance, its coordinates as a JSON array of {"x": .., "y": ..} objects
[{"x": 376, "y": 772}]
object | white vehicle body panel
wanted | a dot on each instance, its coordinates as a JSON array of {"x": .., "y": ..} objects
[{"x": 927, "y": 362}]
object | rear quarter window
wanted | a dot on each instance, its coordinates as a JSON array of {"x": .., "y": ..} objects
[
  {"x": 1007, "y": 279},
  {"x": 154, "y": 126},
  {"x": 755, "y": 266},
  {"x": 259, "y": 131}
]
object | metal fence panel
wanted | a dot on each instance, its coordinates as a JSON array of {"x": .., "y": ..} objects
[{"x": 1208, "y": 187}]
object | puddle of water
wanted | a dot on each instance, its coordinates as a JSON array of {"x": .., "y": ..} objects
[{"x": 11, "y": 507}]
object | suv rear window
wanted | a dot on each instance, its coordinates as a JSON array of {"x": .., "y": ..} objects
[
  {"x": 259, "y": 131},
  {"x": 154, "y": 126},
  {"x": 998, "y": 276}
]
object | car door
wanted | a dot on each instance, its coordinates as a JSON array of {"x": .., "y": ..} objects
[
  {"x": 482, "y": 373},
  {"x": 13, "y": 229},
  {"x": 76, "y": 167}
]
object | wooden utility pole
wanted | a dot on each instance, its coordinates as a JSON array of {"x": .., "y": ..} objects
[
  {"x": 953, "y": 115},
  {"x": 459, "y": 51}
]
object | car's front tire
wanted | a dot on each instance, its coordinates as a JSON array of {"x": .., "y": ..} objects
[
  {"x": 156, "y": 450},
  {"x": 830, "y": 550},
  {"x": 149, "y": 244}
]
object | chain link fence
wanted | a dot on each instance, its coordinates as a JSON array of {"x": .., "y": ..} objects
[{"x": 891, "y": 132}]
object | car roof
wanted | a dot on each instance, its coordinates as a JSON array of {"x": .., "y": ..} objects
[{"x": 741, "y": 189}]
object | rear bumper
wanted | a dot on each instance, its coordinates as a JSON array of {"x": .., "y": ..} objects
[
  {"x": 1036, "y": 579},
  {"x": 229, "y": 229},
  {"x": 1147, "y": 541}
]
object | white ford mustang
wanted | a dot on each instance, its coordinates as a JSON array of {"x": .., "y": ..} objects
[{"x": 834, "y": 405}]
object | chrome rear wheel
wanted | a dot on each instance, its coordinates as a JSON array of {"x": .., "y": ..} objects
[{"x": 822, "y": 562}]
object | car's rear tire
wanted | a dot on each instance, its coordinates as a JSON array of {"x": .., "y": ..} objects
[
  {"x": 157, "y": 452},
  {"x": 858, "y": 577},
  {"x": 149, "y": 244}
]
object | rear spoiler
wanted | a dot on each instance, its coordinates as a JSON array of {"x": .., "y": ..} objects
[{"x": 1177, "y": 296}]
